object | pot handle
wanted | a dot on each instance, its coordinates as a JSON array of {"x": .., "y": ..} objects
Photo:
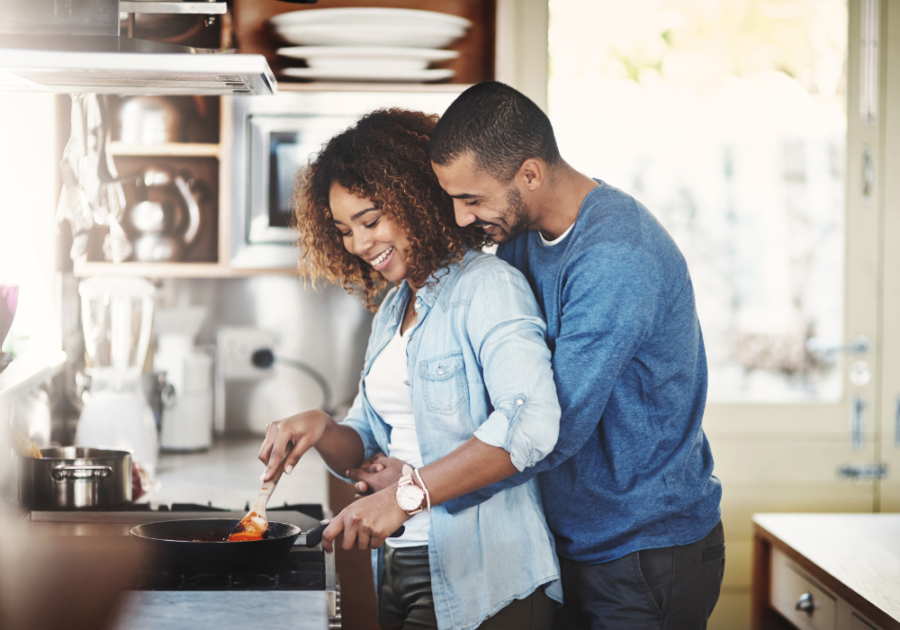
[{"x": 62, "y": 473}]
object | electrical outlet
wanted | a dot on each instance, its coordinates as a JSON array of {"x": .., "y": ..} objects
[{"x": 235, "y": 347}]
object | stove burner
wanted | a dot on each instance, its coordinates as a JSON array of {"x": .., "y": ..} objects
[{"x": 302, "y": 570}]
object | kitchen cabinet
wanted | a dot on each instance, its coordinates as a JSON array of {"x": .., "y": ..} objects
[
  {"x": 826, "y": 572},
  {"x": 207, "y": 151}
]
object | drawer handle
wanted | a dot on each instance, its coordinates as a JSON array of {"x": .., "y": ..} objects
[{"x": 805, "y": 604}]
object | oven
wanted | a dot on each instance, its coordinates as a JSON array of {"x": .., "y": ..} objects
[
  {"x": 273, "y": 138},
  {"x": 299, "y": 591}
]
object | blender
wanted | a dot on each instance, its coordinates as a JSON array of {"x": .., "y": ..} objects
[{"x": 117, "y": 315}]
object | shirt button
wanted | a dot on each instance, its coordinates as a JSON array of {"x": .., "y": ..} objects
[
  {"x": 440, "y": 370},
  {"x": 406, "y": 383},
  {"x": 417, "y": 306},
  {"x": 520, "y": 402}
]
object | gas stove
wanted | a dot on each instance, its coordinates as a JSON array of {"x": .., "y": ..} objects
[{"x": 290, "y": 584}]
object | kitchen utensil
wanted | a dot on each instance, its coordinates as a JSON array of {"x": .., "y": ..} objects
[
  {"x": 9, "y": 298},
  {"x": 74, "y": 478},
  {"x": 202, "y": 544},
  {"x": 166, "y": 220},
  {"x": 254, "y": 525},
  {"x": 188, "y": 415},
  {"x": 116, "y": 315},
  {"x": 370, "y": 58},
  {"x": 314, "y": 536},
  {"x": 368, "y": 74},
  {"x": 145, "y": 119}
]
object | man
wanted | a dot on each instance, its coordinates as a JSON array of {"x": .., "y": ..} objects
[{"x": 629, "y": 491}]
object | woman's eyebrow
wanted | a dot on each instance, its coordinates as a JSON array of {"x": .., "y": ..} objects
[{"x": 362, "y": 212}]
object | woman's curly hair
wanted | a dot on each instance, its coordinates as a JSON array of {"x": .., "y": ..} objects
[{"x": 383, "y": 158}]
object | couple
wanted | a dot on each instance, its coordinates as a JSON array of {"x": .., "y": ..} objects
[{"x": 462, "y": 391}]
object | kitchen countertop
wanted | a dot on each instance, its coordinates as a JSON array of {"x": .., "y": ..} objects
[
  {"x": 856, "y": 554},
  {"x": 174, "y": 610},
  {"x": 227, "y": 476}
]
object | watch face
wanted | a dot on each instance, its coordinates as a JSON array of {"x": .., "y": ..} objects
[{"x": 409, "y": 497}]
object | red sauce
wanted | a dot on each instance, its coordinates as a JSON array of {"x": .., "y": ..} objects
[{"x": 248, "y": 529}]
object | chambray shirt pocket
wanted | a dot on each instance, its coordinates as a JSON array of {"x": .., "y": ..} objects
[{"x": 444, "y": 383}]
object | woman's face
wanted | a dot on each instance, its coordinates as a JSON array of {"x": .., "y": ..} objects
[{"x": 369, "y": 233}]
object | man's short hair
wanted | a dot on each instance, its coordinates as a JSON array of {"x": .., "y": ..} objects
[{"x": 499, "y": 125}]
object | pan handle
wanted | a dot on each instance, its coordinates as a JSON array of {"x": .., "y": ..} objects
[
  {"x": 314, "y": 536},
  {"x": 62, "y": 473}
]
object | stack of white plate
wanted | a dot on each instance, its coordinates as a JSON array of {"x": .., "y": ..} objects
[{"x": 368, "y": 44}]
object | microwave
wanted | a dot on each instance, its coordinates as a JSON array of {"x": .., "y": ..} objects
[{"x": 274, "y": 138}]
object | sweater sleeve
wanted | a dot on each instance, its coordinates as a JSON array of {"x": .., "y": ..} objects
[{"x": 607, "y": 310}]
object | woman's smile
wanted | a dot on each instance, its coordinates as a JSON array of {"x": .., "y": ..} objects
[
  {"x": 367, "y": 232},
  {"x": 383, "y": 259}
]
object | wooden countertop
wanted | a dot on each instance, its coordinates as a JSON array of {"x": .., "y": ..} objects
[{"x": 856, "y": 554}]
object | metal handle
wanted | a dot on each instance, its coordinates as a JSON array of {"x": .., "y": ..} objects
[
  {"x": 314, "y": 536},
  {"x": 897, "y": 424},
  {"x": 858, "y": 345},
  {"x": 868, "y": 175},
  {"x": 858, "y": 422},
  {"x": 805, "y": 604},
  {"x": 62, "y": 473}
]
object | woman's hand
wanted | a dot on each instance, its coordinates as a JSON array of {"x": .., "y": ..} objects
[
  {"x": 294, "y": 436},
  {"x": 367, "y": 522}
]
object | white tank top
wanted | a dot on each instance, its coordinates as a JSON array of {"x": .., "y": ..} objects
[{"x": 387, "y": 389}]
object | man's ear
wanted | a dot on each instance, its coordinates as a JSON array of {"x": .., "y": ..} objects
[{"x": 531, "y": 174}]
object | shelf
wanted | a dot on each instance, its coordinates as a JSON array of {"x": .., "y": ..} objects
[
  {"x": 28, "y": 370},
  {"x": 84, "y": 269},
  {"x": 169, "y": 149},
  {"x": 350, "y": 86}
]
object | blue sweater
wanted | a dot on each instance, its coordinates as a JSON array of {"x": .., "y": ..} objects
[{"x": 632, "y": 468}]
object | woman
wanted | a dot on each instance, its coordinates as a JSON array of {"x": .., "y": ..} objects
[{"x": 457, "y": 382}]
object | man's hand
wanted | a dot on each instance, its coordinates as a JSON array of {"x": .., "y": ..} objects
[
  {"x": 367, "y": 522},
  {"x": 375, "y": 474}
]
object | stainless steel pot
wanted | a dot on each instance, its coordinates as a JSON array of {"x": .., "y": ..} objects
[{"x": 75, "y": 478}]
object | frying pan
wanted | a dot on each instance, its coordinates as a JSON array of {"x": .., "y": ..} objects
[{"x": 201, "y": 544}]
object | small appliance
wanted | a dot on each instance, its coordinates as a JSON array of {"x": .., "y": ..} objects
[
  {"x": 188, "y": 414},
  {"x": 117, "y": 316}
]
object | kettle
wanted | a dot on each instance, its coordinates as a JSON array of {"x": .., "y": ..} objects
[{"x": 166, "y": 219}]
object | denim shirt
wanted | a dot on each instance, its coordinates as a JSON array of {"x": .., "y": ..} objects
[{"x": 478, "y": 364}]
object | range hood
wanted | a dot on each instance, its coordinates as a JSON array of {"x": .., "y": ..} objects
[{"x": 74, "y": 46}]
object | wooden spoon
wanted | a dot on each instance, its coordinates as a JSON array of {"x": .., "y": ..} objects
[{"x": 254, "y": 526}]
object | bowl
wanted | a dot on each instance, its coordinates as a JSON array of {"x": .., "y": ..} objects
[{"x": 9, "y": 297}]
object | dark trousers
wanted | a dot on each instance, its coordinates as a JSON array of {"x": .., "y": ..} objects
[
  {"x": 406, "y": 601},
  {"x": 673, "y": 588}
]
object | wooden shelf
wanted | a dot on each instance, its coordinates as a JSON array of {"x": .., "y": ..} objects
[
  {"x": 171, "y": 149},
  {"x": 83, "y": 269},
  {"x": 348, "y": 86}
]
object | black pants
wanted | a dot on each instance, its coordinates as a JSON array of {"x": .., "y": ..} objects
[
  {"x": 406, "y": 601},
  {"x": 673, "y": 588}
]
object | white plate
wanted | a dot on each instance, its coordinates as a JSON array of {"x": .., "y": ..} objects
[
  {"x": 336, "y": 74},
  {"x": 369, "y": 57},
  {"x": 369, "y": 35},
  {"x": 407, "y": 18}
]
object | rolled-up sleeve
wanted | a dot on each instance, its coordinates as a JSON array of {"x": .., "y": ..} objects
[{"x": 508, "y": 334}]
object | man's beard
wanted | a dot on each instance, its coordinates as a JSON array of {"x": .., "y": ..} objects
[{"x": 516, "y": 217}]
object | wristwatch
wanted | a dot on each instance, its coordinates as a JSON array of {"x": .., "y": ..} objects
[{"x": 410, "y": 497}]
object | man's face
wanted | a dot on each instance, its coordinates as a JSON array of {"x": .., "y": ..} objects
[{"x": 481, "y": 200}]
